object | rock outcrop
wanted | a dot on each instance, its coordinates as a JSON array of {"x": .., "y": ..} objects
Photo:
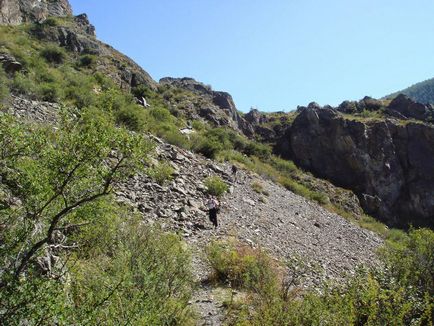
[
  {"x": 9, "y": 63},
  {"x": 78, "y": 35},
  {"x": 15, "y": 12},
  {"x": 408, "y": 108},
  {"x": 388, "y": 164},
  {"x": 215, "y": 107}
]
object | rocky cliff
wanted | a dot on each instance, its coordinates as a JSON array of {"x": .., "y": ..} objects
[
  {"x": 388, "y": 163},
  {"x": 215, "y": 107},
  {"x": 14, "y": 12}
]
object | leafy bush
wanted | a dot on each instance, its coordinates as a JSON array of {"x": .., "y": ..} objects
[
  {"x": 53, "y": 54},
  {"x": 257, "y": 149},
  {"x": 131, "y": 117},
  {"x": 174, "y": 137},
  {"x": 242, "y": 266},
  {"x": 143, "y": 278},
  {"x": 141, "y": 91},
  {"x": 22, "y": 85},
  {"x": 411, "y": 260},
  {"x": 161, "y": 114},
  {"x": 49, "y": 92},
  {"x": 161, "y": 173},
  {"x": 216, "y": 186},
  {"x": 87, "y": 60},
  {"x": 234, "y": 157},
  {"x": 209, "y": 147}
]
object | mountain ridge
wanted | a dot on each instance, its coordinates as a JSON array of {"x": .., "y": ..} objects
[{"x": 422, "y": 92}]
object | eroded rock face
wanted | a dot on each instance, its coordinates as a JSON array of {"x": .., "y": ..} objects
[
  {"x": 15, "y": 12},
  {"x": 389, "y": 165},
  {"x": 215, "y": 107}
]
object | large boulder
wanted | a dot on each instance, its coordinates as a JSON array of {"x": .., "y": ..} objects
[
  {"x": 389, "y": 165},
  {"x": 411, "y": 109},
  {"x": 15, "y": 12}
]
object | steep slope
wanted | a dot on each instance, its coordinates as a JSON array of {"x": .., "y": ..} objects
[
  {"x": 284, "y": 224},
  {"x": 422, "y": 92}
]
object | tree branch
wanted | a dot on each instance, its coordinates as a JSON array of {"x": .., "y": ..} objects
[{"x": 56, "y": 219}]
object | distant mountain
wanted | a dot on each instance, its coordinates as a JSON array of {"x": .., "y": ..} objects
[{"x": 422, "y": 92}]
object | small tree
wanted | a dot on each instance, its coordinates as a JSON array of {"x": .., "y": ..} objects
[{"x": 53, "y": 173}]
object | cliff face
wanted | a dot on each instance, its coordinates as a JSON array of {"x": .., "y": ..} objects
[
  {"x": 14, "y": 12},
  {"x": 389, "y": 165}
]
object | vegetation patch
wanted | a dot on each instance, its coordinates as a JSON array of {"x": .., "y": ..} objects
[
  {"x": 216, "y": 186},
  {"x": 161, "y": 172},
  {"x": 400, "y": 294}
]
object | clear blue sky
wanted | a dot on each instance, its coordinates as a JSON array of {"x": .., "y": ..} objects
[{"x": 275, "y": 54}]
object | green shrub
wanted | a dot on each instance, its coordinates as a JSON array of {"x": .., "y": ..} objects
[
  {"x": 411, "y": 260},
  {"x": 22, "y": 85},
  {"x": 284, "y": 166},
  {"x": 234, "y": 157},
  {"x": 209, "y": 147},
  {"x": 370, "y": 223},
  {"x": 216, "y": 186},
  {"x": 78, "y": 88},
  {"x": 49, "y": 92},
  {"x": 198, "y": 125},
  {"x": 242, "y": 266},
  {"x": 257, "y": 149},
  {"x": 87, "y": 60},
  {"x": 141, "y": 91},
  {"x": 174, "y": 137},
  {"x": 53, "y": 54},
  {"x": 319, "y": 197},
  {"x": 69, "y": 171},
  {"x": 161, "y": 114},
  {"x": 50, "y": 21},
  {"x": 131, "y": 117},
  {"x": 144, "y": 278},
  {"x": 161, "y": 173}
]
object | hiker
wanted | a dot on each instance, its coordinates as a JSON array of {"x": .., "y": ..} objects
[
  {"x": 213, "y": 208},
  {"x": 234, "y": 172}
]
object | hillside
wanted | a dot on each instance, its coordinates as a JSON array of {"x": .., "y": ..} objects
[
  {"x": 422, "y": 92},
  {"x": 105, "y": 175}
]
